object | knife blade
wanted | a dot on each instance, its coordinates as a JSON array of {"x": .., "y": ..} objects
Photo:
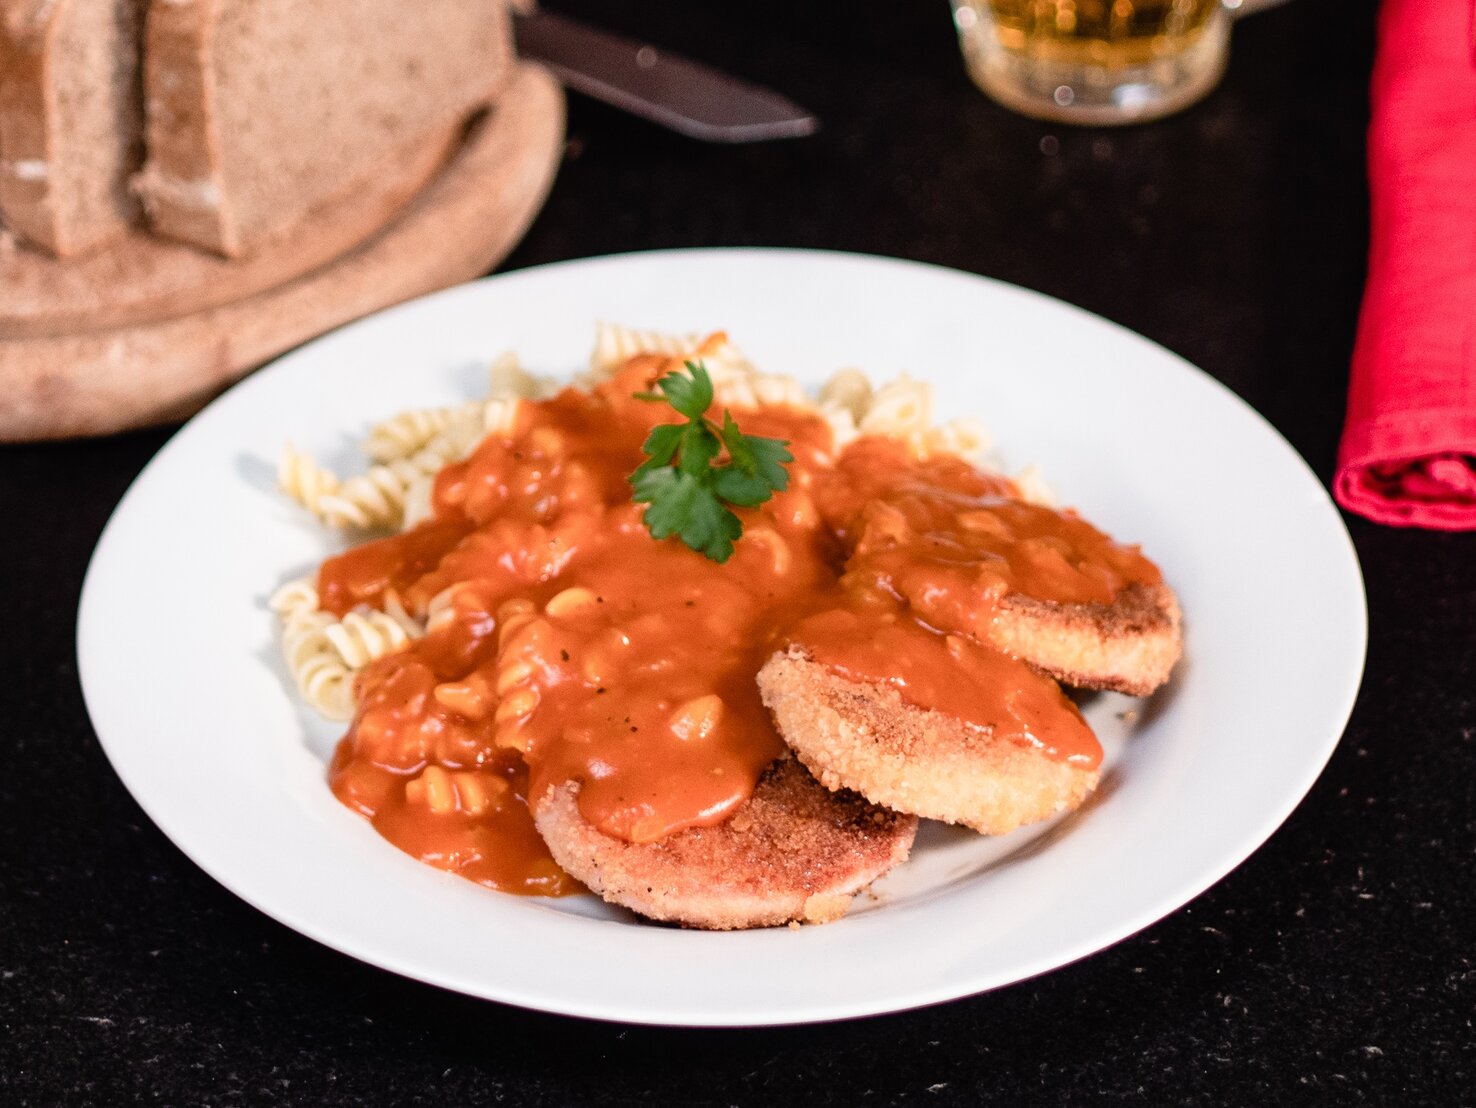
[{"x": 686, "y": 96}]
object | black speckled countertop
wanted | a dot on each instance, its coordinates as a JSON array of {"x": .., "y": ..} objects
[{"x": 1331, "y": 967}]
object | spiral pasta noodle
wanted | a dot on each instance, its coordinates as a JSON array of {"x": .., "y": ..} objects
[
  {"x": 965, "y": 437},
  {"x": 1033, "y": 488},
  {"x": 367, "y": 636},
  {"x": 724, "y": 362},
  {"x": 295, "y": 602},
  {"x": 323, "y": 678},
  {"x": 506, "y": 377},
  {"x": 441, "y": 609},
  {"x": 410, "y": 432},
  {"x": 453, "y": 431},
  {"x": 776, "y": 389},
  {"x": 323, "y": 653},
  {"x": 899, "y": 408},
  {"x": 519, "y": 636},
  {"x": 445, "y": 791},
  {"x": 849, "y": 390},
  {"x": 419, "y": 501},
  {"x": 615, "y": 345},
  {"x": 303, "y": 479},
  {"x": 377, "y": 498},
  {"x": 500, "y": 416}
]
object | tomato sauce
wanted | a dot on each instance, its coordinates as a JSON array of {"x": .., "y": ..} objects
[{"x": 565, "y": 645}]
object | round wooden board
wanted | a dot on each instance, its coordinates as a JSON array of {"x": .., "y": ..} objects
[{"x": 462, "y": 224}]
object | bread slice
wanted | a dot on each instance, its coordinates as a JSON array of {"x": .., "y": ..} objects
[
  {"x": 458, "y": 227},
  {"x": 795, "y": 852},
  {"x": 141, "y": 278},
  {"x": 71, "y": 120},
  {"x": 260, "y": 110},
  {"x": 862, "y": 736}
]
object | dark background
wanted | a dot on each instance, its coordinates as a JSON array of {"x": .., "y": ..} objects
[{"x": 1334, "y": 966}]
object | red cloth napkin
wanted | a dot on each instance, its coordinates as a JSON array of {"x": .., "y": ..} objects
[{"x": 1408, "y": 454}]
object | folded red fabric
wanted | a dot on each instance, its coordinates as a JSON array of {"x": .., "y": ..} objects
[{"x": 1408, "y": 454}]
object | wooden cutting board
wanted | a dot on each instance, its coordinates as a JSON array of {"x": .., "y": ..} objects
[{"x": 460, "y": 225}]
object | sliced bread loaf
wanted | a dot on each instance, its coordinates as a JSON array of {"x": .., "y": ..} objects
[
  {"x": 258, "y": 110},
  {"x": 71, "y": 120},
  {"x": 469, "y": 216}
]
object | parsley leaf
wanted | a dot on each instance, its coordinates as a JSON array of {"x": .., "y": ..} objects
[
  {"x": 691, "y": 396},
  {"x": 762, "y": 458},
  {"x": 687, "y": 495},
  {"x": 685, "y": 506},
  {"x": 662, "y": 444},
  {"x": 699, "y": 447},
  {"x": 737, "y": 487}
]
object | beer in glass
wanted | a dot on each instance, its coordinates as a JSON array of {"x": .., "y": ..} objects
[{"x": 1094, "y": 61}]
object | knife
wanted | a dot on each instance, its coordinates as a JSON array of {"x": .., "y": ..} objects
[{"x": 686, "y": 96}]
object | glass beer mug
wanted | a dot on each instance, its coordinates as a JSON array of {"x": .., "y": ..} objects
[{"x": 1096, "y": 61}]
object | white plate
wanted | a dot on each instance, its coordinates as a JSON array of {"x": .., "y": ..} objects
[{"x": 180, "y": 669}]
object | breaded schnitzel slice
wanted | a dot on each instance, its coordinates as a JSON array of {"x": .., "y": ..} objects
[
  {"x": 969, "y": 556},
  {"x": 1042, "y": 600},
  {"x": 794, "y": 852},
  {"x": 863, "y": 735},
  {"x": 1128, "y": 646}
]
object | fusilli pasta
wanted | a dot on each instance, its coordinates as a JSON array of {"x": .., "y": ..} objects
[
  {"x": 901, "y": 408},
  {"x": 410, "y": 432},
  {"x": 319, "y": 671},
  {"x": 377, "y": 497},
  {"x": 365, "y": 636},
  {"x": 303, "y": 479},
  {"x": 324, "y": 653},
  {"x": 506, "y": 377},
  {"x": 615, "y": 345}
]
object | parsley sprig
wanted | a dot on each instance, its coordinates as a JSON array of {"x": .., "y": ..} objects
[{"x": 689, "y": 496}]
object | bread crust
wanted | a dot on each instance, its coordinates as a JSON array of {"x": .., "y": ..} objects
[
  {"x": 180, "y": 183},
  {"x": 141, "y": 278},
  {"x": 862, "y": 736},
  {"x": 1129, "y": 646},
  {"x": 795, "y": 852},
  {"x": 71, "y": 121}
]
